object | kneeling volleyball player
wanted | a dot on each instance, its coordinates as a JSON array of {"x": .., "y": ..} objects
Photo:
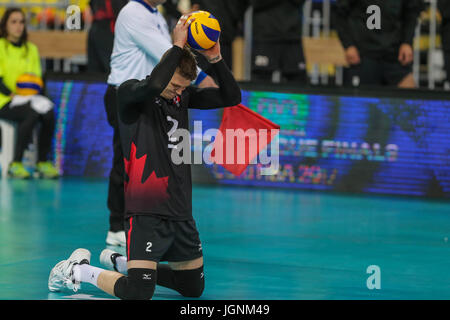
[{"x": 158, "y": 192}]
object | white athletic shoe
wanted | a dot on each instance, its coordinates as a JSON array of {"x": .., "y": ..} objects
[
  {"x": 108, "y": 259},
  {"x": 61, "y": 275},
  {"x": 116, "y": 238}
]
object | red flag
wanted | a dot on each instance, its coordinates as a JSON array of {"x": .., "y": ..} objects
[{"x": 242, "y": 135}]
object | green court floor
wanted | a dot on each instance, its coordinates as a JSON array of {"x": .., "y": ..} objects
[{"x": 257, "y": 243}]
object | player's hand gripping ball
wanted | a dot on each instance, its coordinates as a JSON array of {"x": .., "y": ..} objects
[
  {"x": 204, "y": 31},
  {"x": 28, "y": 84}
]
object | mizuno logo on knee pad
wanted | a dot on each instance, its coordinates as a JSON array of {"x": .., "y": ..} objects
[{"x": 146, "y": 277}]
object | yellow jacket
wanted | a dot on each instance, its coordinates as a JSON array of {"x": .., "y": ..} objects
[{"x": 15, "y": 61}]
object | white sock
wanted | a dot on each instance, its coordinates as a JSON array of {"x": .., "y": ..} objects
[
  {"x": 86, "y": 273},
  {"x": 121, "y": 264}
]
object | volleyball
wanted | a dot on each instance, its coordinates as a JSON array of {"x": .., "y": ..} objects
[
  {"x": 28, "y": 84},
  {"x": 204, "y": 32}
]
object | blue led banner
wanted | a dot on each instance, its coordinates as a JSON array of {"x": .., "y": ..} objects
[{"x": 326, "y": 142}]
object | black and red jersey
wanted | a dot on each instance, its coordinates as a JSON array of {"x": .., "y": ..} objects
[{"x": 154, "y": 184}]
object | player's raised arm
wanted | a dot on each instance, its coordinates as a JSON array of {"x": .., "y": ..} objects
[
  {"x": 228, "y": 94},
  {"x": 134, "y": 91}
]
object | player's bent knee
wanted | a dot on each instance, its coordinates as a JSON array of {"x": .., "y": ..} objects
[
  {"x": 138, "y": 285},
  {"x": 193, "y": 291},
  {"x": 191, "y": 283}
]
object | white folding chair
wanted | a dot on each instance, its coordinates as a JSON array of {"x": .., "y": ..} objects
[
  {"x": 8, "y": 142},
  {"x": 9, "y": 136}
]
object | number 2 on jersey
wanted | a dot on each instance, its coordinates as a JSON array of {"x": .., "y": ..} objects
[{"x": 172, "y": 131}]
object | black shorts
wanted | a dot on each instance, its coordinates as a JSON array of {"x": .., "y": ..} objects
[
  {"x": 377, "y": 72},
  {"x": 156, "y": 239}
]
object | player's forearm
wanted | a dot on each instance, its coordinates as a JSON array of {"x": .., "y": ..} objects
[
  {"x": 228, "y": 87},
  {"x": 228, "y": 94},
  {"x": 164, "y": 70},
  {"x": 131, "y": 92}
]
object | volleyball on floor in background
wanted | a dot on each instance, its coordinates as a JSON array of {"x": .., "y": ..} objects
[
  {"x": 204, "y": 32},
  {"x": 28, "y": 84}
]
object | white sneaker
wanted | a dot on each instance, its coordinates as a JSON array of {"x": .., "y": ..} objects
[
  {"x": 116, "y": 238},
  {"x": 108, "y": 259},
  {"x": 61, "y": 275}
]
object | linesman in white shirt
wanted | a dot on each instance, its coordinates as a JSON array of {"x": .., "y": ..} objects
[{"x": 141, "y": 38}]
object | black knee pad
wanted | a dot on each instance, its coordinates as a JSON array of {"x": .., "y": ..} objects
[
  {"x": 190, "y": 283},
  {"x": 138, "y": 285}
]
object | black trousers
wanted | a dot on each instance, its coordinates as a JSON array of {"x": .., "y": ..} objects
[
  {"x": 27, "y": 119},
  {"x": 116, "y": 198}
]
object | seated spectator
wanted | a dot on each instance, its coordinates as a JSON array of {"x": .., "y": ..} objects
[
  {"x": 19, "y": 57},
  {"x": 381, "y": 56}
]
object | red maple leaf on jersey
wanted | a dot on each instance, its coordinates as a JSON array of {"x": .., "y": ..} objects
[{"x": 142, "y": 196}]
